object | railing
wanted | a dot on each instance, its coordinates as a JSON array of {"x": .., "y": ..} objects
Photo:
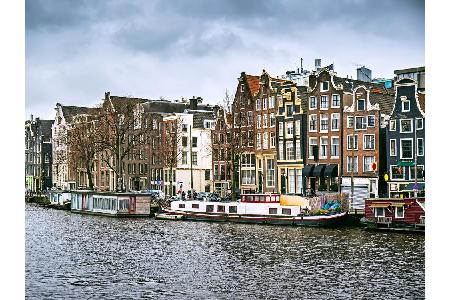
[
  {"x": 260, "y": 198},
  {"x": 384, "y": 220},
  {"x": 422, "y": 220}
]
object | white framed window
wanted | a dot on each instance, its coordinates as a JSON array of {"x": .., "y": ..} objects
[
  {"x": 406, "y": 148},
  {"x": 258, "y": 104},
  {"x": 420, "y": 147},
  {"x": 272, "y": 120},
  {"x": 361, "y": 123},
  {"x": 352, "y": 163},
  {"x": 350, "y": 122},
  {"x": 265, "y": 140},
  {"x": 265, "y": 103},
  {"x": 258, "y": 141},
  {"x": 270, "y": 173},
  {"x": 392, "y": 125},
  {"x": 352, "y": 142},
  {"x": 369, "y": 142},
  {"x": 297, "y": 127},
  {"x": 361, "y": 103},
  {"x": 280, "y": 129},
  {"x": 298, "y": 151},
  {"x": 368, "y": 161},
  {"x": 272, "y": 140},
  {"x": 312, "y": 122},
  {"x": 334, "y": 146},
  {"x": 399, "y": 212},
  {"x": 258, "y": 121},
  {"x": 299, "y": 181},
  {"x": 397, "y": 172},
  {"x": 265, "y": 121},
  {"x": 406, "y": 125},
  {"x": 272, "y": 102},
  {"x": 280, "y": 150},
  {"x": 289, "y": 110},
  {"x": 335, "y": 120},
  {"x": 323, "y": 147},
  {"x": 370, "y": 121},
  {"x": 323, "y": 102},
  {"x": 336, "y": 102},
  {"x": 393, "y": 147},
  {"x": 379, "y": 211},
  {"x": 420, "y": 174},
  {"x": 312, "y": 102},
  {"x": 324, "y": 86},
  {"x": 290, "y": 150},
  {"x": 289, "y": 128},
  {"x": 406, "y": 106},
  {"x": 291, "y": 186},
  {"x": 312, "y": 143},
  {"x": 419, "y": 123},
  {"x": 323, "y": 122}
]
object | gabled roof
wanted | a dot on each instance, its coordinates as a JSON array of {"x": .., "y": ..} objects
[
  {"x": 165, "y": 106},
  {"x": 304, "y": 96},
  {"x": 421, "y": 98},
  {"x": 69, "y": 112},
  {"x": 200, "y": 117},
  {"x": 385, "y": 100},
  {"x": 253, "y": 83},
  {"x": 117, "y": 100}
]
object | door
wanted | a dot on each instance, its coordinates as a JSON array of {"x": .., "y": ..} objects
[
  {"x": 260, "y": 182},
  {"x": 283, "y": 184}
]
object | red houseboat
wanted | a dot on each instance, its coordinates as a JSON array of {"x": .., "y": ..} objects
[{"x": 395, "y": 214}]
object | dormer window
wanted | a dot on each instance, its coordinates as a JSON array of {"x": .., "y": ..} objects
[
  {"x": 361, "y": 105},
  {"x": 324, "y": 86},
  {"x": 405, "y": 105}
]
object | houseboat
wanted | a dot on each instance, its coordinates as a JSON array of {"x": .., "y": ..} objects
[
  {"x": 255, "y": 208},
  {"x": 113, "y": 204},
  {"x": 395, "y": 214},
  {"x": 59, "y": 199}
]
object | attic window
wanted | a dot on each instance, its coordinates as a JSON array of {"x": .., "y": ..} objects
[
  {"x": 405, "y": 105},
  {"x": 324, "y": 86},
  {"x": 361, "y": 105}
]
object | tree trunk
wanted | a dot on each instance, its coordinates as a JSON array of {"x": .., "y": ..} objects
[
  {"x": 170, "y": 181},
  {"x": 89, "y": 167}
]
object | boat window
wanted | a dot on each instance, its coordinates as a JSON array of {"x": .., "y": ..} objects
[
  {"x": 195, "y": 206},
  {"x": 273, "y": 211},
  {"x": 286, "y": 211},
  {"x": 232, "y": 209},
  {"x": 379, "y": 212},
  {"x": 399, "y": 212},
  {"x": 220, "y": 208},
  {"x": 209, "y": 208},
  {"x": 181, "y": 205}
]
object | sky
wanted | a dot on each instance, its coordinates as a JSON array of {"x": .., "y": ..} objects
[{"x": 75, "y": 51}]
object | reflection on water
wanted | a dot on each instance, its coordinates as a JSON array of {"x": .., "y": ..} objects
[{"x": 76, "y": 256}]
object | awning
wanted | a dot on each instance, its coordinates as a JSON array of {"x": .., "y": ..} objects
[
  {"x": 397, "y": 204},
  {"x": 318, "y": 171},
  {"x": 331, "y": 171},
  {"x": 307, "y": 170},
  {"x": 374, "y": 205},
  {"x": 410, "y": 187}
]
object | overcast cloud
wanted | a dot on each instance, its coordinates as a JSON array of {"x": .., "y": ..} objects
[{"x": 77, "y": 50}]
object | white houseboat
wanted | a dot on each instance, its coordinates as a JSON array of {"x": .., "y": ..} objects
[{"x": 254, "y": 208}]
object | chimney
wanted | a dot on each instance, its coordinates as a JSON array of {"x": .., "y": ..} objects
[
  {"x": 193, "y": 103},
  {"x": 317, "y": 63},
  {"x": 107, "y": 94},
  {"x": 31, "y": 117},
  {"x": 301, "y": 64}
]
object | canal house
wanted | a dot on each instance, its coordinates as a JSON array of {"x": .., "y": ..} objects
[{"x": 405, "y": 139}]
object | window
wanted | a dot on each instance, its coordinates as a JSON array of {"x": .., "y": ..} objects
[
  {"x": 280, "y": 128},
  {"x": 361, "y": 123},
  {"x": 265, "y": 121},
  {"x": 361, "y": 105},
  {"x": 209, "y": 208},
  {"x": 352, "y": 163},
  {"x": 258, "y": 104},
  {"x": 184, "y": 127},
  {"x": 194, "y": 141},
  {"x": 289, "y": 110},
  {"x": 265, "y": 103},
  {"x": 419, "y": 124},
  {"x": 232, "y": 209},
  {"x": 368, "y": 160},
  {"x": 272, "y": 140},
  {"x": 181, "y": 205},
  {"x": 258, "y": 141},
  {"x": 195, "y": 206},
  {"x": 420, "y": 147},
  {"x": 273, "y": 211},
  {"x": 313, "y": 123},
  {"x": 379, "y": 211},
  {"x": 334, "y": 146},
  {"x": 406, "y": 149},
  {"x": 290, "y": 128},
  {"x": 370, "y": 121},
  {"x": 412, "y": 173},
  {"x": 405, "y": 126},
  {"x": 290, "y": 150},
  {"x": 336, "y": 101},
  {"x": 184, "y": 141},
  {"x": 184, "y": 157},
  {"x": 248, "y": 176},
  {"x": 299, "y": 181},
  {"x": 272, "y": 102},
  {"x": 397, "y": 172},
  {"x": 286, "y": 211},
  {"x": 323, "y": 146},
  {"x": 324, "y": 86},
  {"x": 350, "y": 122},
  {"x": 291, "y": 182},
  {"x": 265, "y": 140},
  {"x": 405, "y": 105},
  {"x": 399, "y": 212},
  {"x": 324, "y": 122},
  {"x": 369, "y": 142},
  {"x": 312, "y": 103},
  {"x": 392, "y": 125},
  {"x": 270, "y": 173},
  {"x": 298, "y": 151},
  {"x": 272, "y": 120},
  {"x": 207, "y": 174},
  {"x": 335, "y": 121},
  {"x": 352, "y": 142},
  {"x": 281, "y": 150},
  {"x": 393, "y": 147},
  {"x": 312, "y": 144},
  {"x": 221, "y": 208},
  {"x": 323, "y": 102},
  {"x": 258, "y": 121},
  {"x": 194, "y": 158}
]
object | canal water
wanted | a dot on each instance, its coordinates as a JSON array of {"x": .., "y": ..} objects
[{"x": 88, "y": 257}]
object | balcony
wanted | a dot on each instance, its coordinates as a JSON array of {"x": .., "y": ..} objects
[{"x": 384, "y": 220}]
